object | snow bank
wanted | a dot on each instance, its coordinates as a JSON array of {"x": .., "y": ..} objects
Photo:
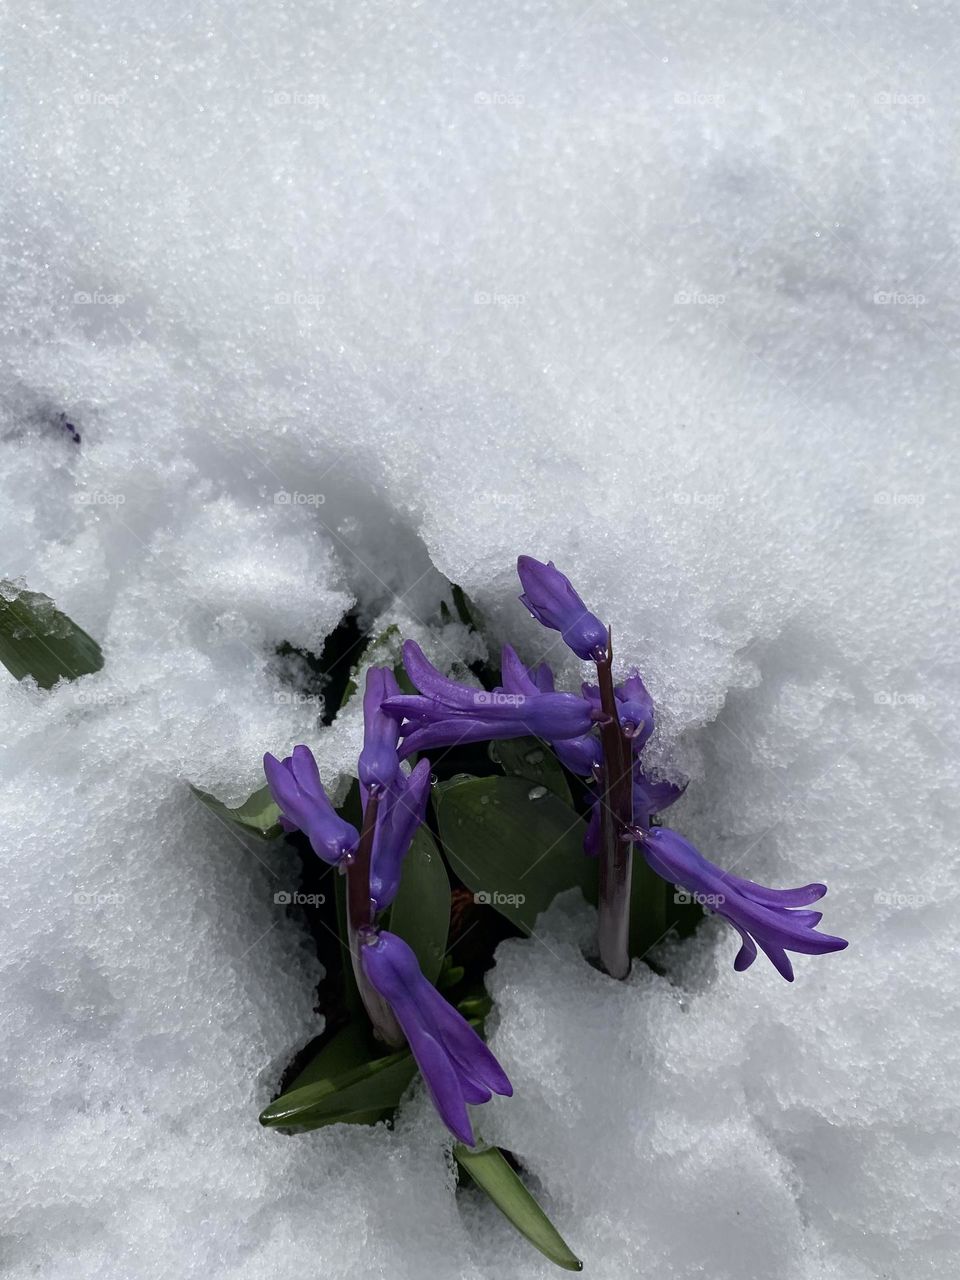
[{"x": 341, "y": 299}]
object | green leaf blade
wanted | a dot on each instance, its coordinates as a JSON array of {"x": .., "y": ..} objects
[
  {"x": 356, "y": 1095},
  {"x": 258, "y": 813},
  {"x": 494, "y": 1176},
  {"x": 516, "y": 846},
  {"x": 420, "y": 913},
  {"x": 532, "y": 759},
  {"x": 37, "y": 639}
]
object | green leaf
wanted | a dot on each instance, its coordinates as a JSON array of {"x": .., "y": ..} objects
[
  {"x": 532, "y": 759},
  {"x": 515, "y": 844},
  {"x": 37, "y": 640},
  {"x": 344, "y": 1051},
  {"x": 648, "y": 907},
  {"x": 342, "y": 1093},
  {"x": 258, "y": 814},
  {"x": 420, "y": 913},
  {"x": 494, "y": 1176},
  {"x": 351, "y": 992}
]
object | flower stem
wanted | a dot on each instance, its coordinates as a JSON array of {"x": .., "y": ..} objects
[
  {"x": 360, "y": 913},
  {"x": 616, "y": 817}
]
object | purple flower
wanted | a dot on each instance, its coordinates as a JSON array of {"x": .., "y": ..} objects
[
  {"x": 634, "y": 708},
  {"x": 550, "y": 597},
  {"x": 768, "y": 918},
  {"x": 456, "y": 1065},
  {"x": 445, "y": 713},
  {"x": 400, "y": 812},
  {"x": 581, "y": 755},
  {"x": 378, "y": 765},
  {"x": 298, "y": 793}
]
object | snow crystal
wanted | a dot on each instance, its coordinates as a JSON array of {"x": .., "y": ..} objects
[{"x": 345, "y": 299}]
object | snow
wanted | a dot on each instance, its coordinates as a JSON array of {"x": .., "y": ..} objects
[{"x": 344, "y": 298}]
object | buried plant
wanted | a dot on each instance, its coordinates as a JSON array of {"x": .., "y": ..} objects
[{"x": 571, "y": 804}]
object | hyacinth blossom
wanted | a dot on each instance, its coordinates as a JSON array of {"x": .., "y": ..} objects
[
  {"x": 456, "y": 1065},
  {"x": 600, "y": 736},
  {"x": 769, "y": 918},
  {"x": 299, "y": 795},
  {"x": 550, "y": 597},
  {"x": 445, "y": 713}
]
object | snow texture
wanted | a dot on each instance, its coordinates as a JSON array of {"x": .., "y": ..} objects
[{"x": 343, "y": 298}]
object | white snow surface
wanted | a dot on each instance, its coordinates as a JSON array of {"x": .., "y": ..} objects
[{"x": 346, "y": 297}]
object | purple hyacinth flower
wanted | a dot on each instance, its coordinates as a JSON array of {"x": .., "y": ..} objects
[
  {"x": 400, "y": 813},
  {"x": 634, "y": 707},
  {"x": 768, "y": 918},
  {"x": 445, "y": 713},
  {"x": 581, "y": 755},
  {"x": 650, "y": 797},
  {"x": 378, "y": 765},
  {"x": 550, "y": 597},
  {"x": 298, "y": 793},
  {"x": 456, "y": 1065}
]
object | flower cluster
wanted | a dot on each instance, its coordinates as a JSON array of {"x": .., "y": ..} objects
[
  {"x": 599, "y": 735},
  {"x": 456, "y": 1065}
]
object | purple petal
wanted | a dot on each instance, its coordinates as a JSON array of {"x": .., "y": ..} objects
[
  {"x": 550, "y": 597},
  {"x": 378, "y": 765}
]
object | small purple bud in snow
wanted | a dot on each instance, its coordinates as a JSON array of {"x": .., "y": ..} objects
[
  {"x": 298, "y": 793},
  {"x": 550, "y": 597},
  {"x": 457, "y": 1067}
]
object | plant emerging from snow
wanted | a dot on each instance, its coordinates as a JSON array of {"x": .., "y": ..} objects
[{"x": 598, "y": 735}]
